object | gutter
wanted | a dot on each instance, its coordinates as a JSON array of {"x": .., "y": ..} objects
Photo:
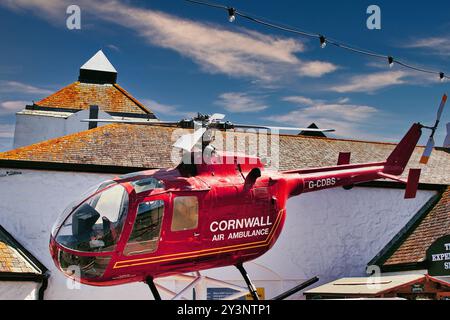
[
  {"x": 44, "y": 285},
  {"x": 28, "y": 277},
  {"x": 73, "y": 167},
  {"x": 40, "y": 276}
]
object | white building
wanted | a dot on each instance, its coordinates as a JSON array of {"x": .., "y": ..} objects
[
  {"x": 331, "y": 234},
  {"x": 95, "y": 95}
]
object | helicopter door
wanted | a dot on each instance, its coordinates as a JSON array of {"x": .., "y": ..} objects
[{"x": 184, "y": 225}]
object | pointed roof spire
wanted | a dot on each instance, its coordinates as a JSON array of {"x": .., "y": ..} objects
[
  {"x": 99, "y": 62},
  {"x": 312, "y": 134},
  {"x": 98, "y": 69}
]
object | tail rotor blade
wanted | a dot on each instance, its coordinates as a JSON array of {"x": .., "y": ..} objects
[
  {"x": 441, "y": 107},
  {"x": 188, "y": 141},
  {"x": 447, "y": 138},
  {"x": 427, "y": 153},
  {"x": 430, "y": 145}
]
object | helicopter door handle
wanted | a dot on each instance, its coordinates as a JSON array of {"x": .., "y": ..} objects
[{"x": 196, "y": 234}]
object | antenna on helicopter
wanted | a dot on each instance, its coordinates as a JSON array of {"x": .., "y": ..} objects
[
  {"x": 203, "y": 126},
  {"x": 447, "y": 138}
]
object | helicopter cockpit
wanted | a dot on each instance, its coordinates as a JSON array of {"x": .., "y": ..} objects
[
  {"x": 94, "y": 226},
  {"x": 87, "y": 233}
]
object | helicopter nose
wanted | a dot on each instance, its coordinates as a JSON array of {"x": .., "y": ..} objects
[{"x": 88, "y": 269}]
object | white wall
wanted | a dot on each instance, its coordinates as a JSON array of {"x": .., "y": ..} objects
[
  {"x": 12, "y": 290},
  {"x": 331, "y": 233},
  {"x": 335, "y": 233},
  {"x": 35, "y": 128},
  {"x": 73, "y": 123}
]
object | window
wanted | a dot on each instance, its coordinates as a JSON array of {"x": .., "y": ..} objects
[
  {"x": 96, "y": 224},
  {"x": 147, "y": 184},
  {"x": 88, "y": 267},
  {"x": 185, "y": 213},
  {"x": 132, "y": 175},
  {"x": 147, "y": 228}
]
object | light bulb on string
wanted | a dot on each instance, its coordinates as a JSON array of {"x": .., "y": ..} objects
[
  {"x": 231, "y": 14},
  {"x": 323, "y": 41},
  {"x": 391, "y": 61}
]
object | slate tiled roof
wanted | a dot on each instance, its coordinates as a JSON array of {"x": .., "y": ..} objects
[
  {"x": 12, "y": 257},
  {"x": 434, "y": 225},
  {"x": 109, "y": 97},
  {"x": 150, "y": 147}
]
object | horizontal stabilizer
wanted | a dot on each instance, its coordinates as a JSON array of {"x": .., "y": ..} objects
[{"x": 412, "y": 184}]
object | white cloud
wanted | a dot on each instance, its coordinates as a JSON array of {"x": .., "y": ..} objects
[
  {"x": 239, "y": 53},
  {"x": 6, "y": 137},
  {"x": 6, "y": 144},
  {"x": 19, "y": 87},
  {"x": 347, "y": 119},
  {"x": 166, "y": 109},
  {"x": 299, "y": 100},
  {"x": 316, "y": 69},
  {"x": 435, "y": 45},
  {"x": 53, "y": 9},
  {"x": 7, "y": 131},
  {"x": 215, "y": 49},
  {"x": 240, "y": 102},
  {"x": 372, "y": 82},
  {"x": 10, "y": 107},
  {"x": 113, "y": 47},
  {"x": 344, "y": 100}
]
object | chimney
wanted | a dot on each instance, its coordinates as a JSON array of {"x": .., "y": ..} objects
[{"x": 93, "y": 114}]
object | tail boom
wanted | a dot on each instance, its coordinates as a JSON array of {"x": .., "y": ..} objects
[{"x": 315, "y": 179}]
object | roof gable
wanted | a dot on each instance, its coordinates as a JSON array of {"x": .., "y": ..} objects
[
  {"x": 111, "y": 98},
  {"x": 14, "y": 258}
]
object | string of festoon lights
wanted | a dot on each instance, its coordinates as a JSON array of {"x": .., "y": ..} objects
[{"x": 323, "y": 40}]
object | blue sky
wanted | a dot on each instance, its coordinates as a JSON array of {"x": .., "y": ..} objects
[{"x": 180, "y": 58}]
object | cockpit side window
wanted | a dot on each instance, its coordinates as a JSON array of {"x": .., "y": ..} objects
[{"x": 147, "y": 228}]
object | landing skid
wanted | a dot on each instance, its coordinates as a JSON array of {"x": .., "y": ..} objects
[
  {"x": 251, "y": 287},
  {"x": 153, "y": 289},
  {"x": 198, "y": 283}
]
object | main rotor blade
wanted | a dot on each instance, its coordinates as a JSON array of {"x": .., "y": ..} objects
[
  {"x": 447, "y": 138},
  {"x": 428, "y": 150},
  {"x": 217, "y": 116},
  {"x": 249, "y": 126},
  {"x": 441, "y": 107},
  {"x": 188, "y": 141},
  {"x": 141, "y": 122}
]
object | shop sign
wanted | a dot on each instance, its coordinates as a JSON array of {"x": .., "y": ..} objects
[{"x": 438, "y": 257}]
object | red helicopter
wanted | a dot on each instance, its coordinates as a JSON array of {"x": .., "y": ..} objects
[{"x": 201, "y": 214}]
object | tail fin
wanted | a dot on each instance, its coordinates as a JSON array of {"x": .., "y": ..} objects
[{"x": 399, "y": 158}]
